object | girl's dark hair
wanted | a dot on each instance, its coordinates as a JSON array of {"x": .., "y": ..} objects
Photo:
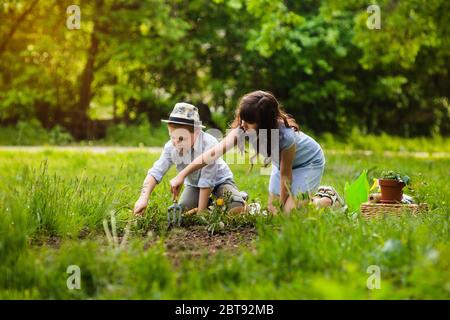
[{"x": 263, "y": 109}]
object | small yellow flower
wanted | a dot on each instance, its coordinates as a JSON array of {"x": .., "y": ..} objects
[{"x": 220, "y": 202}]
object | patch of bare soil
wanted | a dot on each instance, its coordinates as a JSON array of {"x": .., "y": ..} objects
[
  {"x": 191, "y": 242},
  {"x": 48, "y": 241},
  {"x": 196, "y": 241}
]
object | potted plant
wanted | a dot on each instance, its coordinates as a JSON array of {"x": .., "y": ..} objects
[{"x": 391, "y": 184}]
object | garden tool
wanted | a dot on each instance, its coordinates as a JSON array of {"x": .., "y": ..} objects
[
  {"x": 191, "y": 212},
  {"x": 374, "y": 197},
  {"x": 174, "y": 213}
]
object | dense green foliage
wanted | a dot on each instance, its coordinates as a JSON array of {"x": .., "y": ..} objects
[
  {"x": 52, "y": 204},
  {"x": 140, "y": 57},
  {"x": 145, "y": 134}
]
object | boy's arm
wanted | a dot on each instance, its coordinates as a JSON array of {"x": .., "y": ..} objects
[
  {"x": 154, "y": 176},
  {"x": 203, "y": 198},
  {"x": 147, "y": 188},
  {"x": 160, "y": 167},
  {"x": 206, "y": 183}
]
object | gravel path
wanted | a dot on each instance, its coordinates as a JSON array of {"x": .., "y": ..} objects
[
  {"x": 93, "y": 149},
  {"x": 119, "y": 149}
]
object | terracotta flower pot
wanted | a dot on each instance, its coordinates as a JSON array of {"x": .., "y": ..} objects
[{"x": 391, "y": 190}]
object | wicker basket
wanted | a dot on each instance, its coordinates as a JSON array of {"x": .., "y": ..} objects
[{"x": 373, "y": 210}]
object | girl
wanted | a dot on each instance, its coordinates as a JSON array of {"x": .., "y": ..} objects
[{"x": 297, "y": 160}]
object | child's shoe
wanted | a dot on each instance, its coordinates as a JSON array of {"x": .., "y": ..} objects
[{"x": 330, "y": 193}]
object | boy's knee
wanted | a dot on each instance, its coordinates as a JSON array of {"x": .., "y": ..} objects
[
  {"x": 189, "y": 198},
  {"x": 237, "y": 198},
  {"x": 236, "y": 202},
  {"x": 187, "y": 205}
]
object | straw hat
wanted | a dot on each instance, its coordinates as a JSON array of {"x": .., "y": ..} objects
[{"x": 185, "y": 113}]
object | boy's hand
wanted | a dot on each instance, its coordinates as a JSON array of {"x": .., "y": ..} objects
[
  {"x": 139, "y": 207},
  {"x": 175, "y": 185}
]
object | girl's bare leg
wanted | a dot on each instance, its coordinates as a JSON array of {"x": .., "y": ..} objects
[
  {"x": 290, "y": 204},
  {"x": 321, "y": 202}
]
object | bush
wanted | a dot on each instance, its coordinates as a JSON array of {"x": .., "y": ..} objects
[
  {"x": 142, "y": 134},
  {"x": 27, "y": 133},
  {"x": 59, "y": 136}
]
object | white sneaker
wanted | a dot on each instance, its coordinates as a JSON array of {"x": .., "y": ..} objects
[{"x": 254, "y": 208}]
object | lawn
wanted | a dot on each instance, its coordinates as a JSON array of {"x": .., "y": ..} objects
[{"x": 60, "y": 208}]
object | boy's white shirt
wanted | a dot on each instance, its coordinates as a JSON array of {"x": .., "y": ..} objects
[{"x": 208, "y": 177}]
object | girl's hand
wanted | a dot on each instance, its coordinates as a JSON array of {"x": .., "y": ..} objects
[
  {"x": 139, "y": 207},
  {"x": 175, "y": 184}
]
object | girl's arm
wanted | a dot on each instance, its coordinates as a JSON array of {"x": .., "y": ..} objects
[
  {"x": 287, "y": 158},
  {"x": 204, "y": 159}
]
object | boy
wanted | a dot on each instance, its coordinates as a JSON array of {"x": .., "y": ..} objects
[{"x": 187, "y": 141}]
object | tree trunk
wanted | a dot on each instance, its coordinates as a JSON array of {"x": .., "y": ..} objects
[{"x": 81, "y": 118}]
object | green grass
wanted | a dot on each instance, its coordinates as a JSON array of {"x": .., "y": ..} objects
[{"x": 53, "y": 203}]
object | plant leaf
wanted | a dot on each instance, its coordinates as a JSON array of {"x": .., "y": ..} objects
[{"x": 357, "y": 192}]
